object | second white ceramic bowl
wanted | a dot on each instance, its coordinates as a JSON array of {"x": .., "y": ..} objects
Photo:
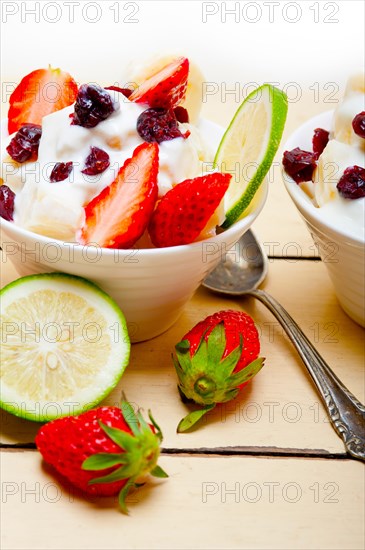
[{"x": 342, "y": 252}]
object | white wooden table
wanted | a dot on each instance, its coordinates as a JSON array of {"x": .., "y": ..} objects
[{"x": 265, "y": 471}]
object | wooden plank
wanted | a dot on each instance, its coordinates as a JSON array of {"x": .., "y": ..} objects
[
  {"x": 280, "y": 408},
  {"x": 207, "y": 503}
]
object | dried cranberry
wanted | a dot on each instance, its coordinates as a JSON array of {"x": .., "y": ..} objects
[
  {"x": 299, "y": 164},
  {"x": 319, "y": 141},
  {"x": 96, "y": 162},
  {"x": 358, "y": 124},
  {"x": 25, "y": 143},
  {"x": 93, "y": 104},
  {"x": 125, "y": 91},
  {"x": 7, "y": 197},
  {"x": 352, "y": 183},
  {"x": 181, "y": 114},
  {"x": 61, "y": 171},
  {"x": 157, "y": 125}
]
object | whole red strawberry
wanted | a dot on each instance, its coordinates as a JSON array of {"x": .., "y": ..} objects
[
  {"x": 215, "y": 360},
  {"x": 183, "y": 213},
  {"x": 103, "y": 451}
]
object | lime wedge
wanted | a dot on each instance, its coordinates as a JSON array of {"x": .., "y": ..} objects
[
  {"x": 249, "y": 145},
  {"x": 64, "y": 346}
]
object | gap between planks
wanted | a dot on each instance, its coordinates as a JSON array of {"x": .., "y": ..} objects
[{"x": 265, "y": 452}]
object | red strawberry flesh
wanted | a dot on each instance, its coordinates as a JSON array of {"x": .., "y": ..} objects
[
  {"x": 40, "y": 93},
  {"x": 185, "y": 210},
  {"x": 119, "y": 215},
  {"x": 166, "y": 88}
]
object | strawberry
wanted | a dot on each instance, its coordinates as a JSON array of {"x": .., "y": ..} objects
[
  {"x": 166, "y": 88},
  {"x": 103, "y": 451},
  {"x": 40, "y": 93},
  {"x": 185, "y": 210},
  {"x": 118, "y": 216},
  {"x": 215, "y": 360}
]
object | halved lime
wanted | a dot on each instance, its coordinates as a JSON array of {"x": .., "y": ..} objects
[
  {"x": 249, "y": 145},
  {"x": 64, "y": 346}
]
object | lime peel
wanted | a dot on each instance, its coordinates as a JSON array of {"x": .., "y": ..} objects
[
  {"x": 251, "y": 139},
  {"x": 64, "y": 346}
]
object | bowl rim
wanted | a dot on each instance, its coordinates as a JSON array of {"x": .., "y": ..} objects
[{"x": 301, "y": 200}]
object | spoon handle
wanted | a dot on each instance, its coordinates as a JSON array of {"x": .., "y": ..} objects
[{"x": 346, "y": 413}]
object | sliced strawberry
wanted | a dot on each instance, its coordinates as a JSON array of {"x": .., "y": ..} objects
[
  {"x": 185, "y": 210},
  {"x": 119, "y": 215},
  {"x": 166, "y": 88},
  {"x": 40, "y": 93}
]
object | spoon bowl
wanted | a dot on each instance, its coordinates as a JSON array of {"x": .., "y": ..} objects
[{"x": 242, "y": 269}]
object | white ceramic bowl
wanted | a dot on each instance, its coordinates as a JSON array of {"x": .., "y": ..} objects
[
  {"x": 342, "y": 252},
  {"x": 150, "y": 285}
]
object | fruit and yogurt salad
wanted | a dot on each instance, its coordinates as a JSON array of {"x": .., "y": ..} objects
[
  {"x": 55, "y": 163},
  {"x": 333, "y": 175},
  {"x": 122, "y": 167}
]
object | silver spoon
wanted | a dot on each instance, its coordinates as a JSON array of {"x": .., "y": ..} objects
[{"x": 240, "y": 273}]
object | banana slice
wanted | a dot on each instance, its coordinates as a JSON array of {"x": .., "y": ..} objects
[
  {"x": 356, "y": 83},
  {"x": 352, "y": 104}
]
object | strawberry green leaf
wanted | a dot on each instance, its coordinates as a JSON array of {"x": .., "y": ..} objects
[
  {"x": 229, "y": 363},
  {"x": 183, "y": 397},
  {"x": 130, "y": 417},
  {"x": 123, "y": 495},
  {"x": 156, "y": 426},
  {"x": 246, "y": 374},
  {"x": 229, "y": 395},
  {"x": 216, "y": 344},
  {"x": 183, "y": 346},
  {"x": 138, "y": 485},
  {"x": 142, "y": 423},
  {"x": 158, "y": 472},
  {"x": 177, "y": 365},
  {"x": 200, "y": 357},
  {"x": 128, "y": 470},
  {"x": 183, "y": 355},
  {"x": 124, "y": 440},
  {"x": 192, "y": 418},
  {"x": 101, "y": 461},
  {"x": 117, "y": 475}
]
